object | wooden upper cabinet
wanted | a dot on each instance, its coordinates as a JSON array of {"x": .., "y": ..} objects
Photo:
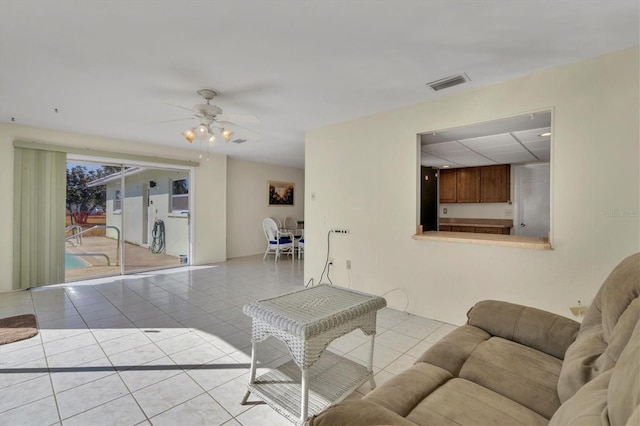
[
  {"x": 487, "y": 184},
  {"x": 468, "y": 184},
  {"x": 495, "y": 184},
  {"x": 447, "y": 182}
]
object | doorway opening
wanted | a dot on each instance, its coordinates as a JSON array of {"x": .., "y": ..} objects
[{"x": 122, "y": 218}]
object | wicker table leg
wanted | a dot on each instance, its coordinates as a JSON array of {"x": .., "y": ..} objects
[
  {"x": 304, "y": 405},
  {"x": 372, "y": 342},
  {"x": 252, "y": 379}
]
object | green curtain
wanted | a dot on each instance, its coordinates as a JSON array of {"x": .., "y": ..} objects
[{"x": 39, "y": 217}]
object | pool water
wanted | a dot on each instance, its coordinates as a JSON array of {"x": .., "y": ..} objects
[{"x": 74, "y": 262}]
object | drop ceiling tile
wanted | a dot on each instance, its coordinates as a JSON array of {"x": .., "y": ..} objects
[
  {"x": 539, "y": 144},
  {"x": 506, "y": 149},
  {"x": 542, "y": 154},
  {"x": 525, "y": 136},
  {"x": 465, "y": 157},
  {"x": 516, "y": 157},
  {"x": 480, "y": 162},
  {"x": 430, "y": 160},
  {"x": 443, "y": 148},
  {"x": 489, "y": 141}
]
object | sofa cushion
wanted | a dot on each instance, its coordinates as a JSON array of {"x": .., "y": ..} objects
[
  {"x": 619, "y": 337},
  {"x": 461, "y": 402},
  {"x": 362, "y": 412},
  {"x": 403, "y": 392},
  {"x": 605, "y": 329},
  {"x": 623, "y": 396},
  {"x": 587, "y": 407},
  {"x": 547, "y": 332},
  {"x": 520, "y": 373},
  {"x": 620, "y": 288},
  {"x": 451, "y": 351},
  {"x": 613, "y": 397},
  {"x": 578, "y": 367}
]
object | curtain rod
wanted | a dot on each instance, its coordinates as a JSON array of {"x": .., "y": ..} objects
[{"x": 105, "y": 154}]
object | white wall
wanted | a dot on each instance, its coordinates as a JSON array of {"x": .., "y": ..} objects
[
  {"x": 372, "y": 190},
  {"x": 208, "y": 185},
  {"x": 247, "y": 204}
]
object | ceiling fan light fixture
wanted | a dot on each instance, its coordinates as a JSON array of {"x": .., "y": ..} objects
[
  {"x": 212, "y": 139},
  {"x": 203, "y": 131},
  {"x": 227, "y": 134},
  {"x": 189, "y": 135}
]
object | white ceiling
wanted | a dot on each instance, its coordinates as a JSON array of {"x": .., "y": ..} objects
[
  {"x": 112, "y": 67},
  {"x": 513, "y": 140}
]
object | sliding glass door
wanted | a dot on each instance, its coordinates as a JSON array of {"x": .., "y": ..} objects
[
  {"x": 156, "y": 226},
  {"x": 125, "y": 218}
]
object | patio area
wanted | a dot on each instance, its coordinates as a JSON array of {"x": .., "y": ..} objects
[{"x": 136, "y": 258}]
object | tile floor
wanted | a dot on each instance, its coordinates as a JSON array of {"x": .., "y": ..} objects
[{"x": 167, "y": 348}]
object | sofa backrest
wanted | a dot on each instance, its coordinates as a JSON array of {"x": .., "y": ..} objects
[
  {"x": 605, "y": 330},
  {"x": 612, "y": 398}
]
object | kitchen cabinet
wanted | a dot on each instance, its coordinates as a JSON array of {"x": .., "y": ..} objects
[
  {"x": 495, "y": 184},
  {"x": 477, "y": 225},
  {"x": 455, "y": 228},
  {"x": 468, "y": 185},
  {"x": 487, "y": 184},
  {"x": 491, "y": 230},
  {"x": 448, "y": 186}
]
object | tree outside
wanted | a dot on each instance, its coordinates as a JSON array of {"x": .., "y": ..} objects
[{"x": 82, "y": 200}]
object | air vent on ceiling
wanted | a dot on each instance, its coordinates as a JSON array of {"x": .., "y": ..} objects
[
  {"x": 447, "y": 82},
  {"x": 239, "y": 140}
]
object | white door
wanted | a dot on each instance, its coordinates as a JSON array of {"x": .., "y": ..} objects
[{"x": 532, "y": 200}]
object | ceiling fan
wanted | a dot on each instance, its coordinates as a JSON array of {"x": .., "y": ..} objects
[{"x": 215, "y": 124}]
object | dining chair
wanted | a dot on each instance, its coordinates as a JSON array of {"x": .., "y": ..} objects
[{"x": 278, "y": 241}]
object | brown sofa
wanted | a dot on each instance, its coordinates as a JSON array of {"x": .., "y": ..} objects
[{"x": 512, "y": 364}]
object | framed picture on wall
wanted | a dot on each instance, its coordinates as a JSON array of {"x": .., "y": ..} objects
[{"x": 280, "y": 193}]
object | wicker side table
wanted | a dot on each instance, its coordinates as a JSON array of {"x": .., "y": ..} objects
[{"x": 307, "y": 321}]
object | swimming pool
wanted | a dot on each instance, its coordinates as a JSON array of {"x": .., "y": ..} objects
[{"x": 74, "y": 262}]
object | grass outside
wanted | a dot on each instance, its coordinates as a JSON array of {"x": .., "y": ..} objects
[{"x": 99, "y": 219}]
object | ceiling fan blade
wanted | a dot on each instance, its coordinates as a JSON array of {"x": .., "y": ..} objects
[
  {"x": 181, "y": 107},
  {"x": 239, "y": 118},
  {"x": 175, "y": 119},
  {"x": 241, "y": 130}
]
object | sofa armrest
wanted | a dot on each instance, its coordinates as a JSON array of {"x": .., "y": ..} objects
[
  {"x": 452, "y": 351},
  {"x": 361, "y": 412},
  {"x": 541, "y": 330}
]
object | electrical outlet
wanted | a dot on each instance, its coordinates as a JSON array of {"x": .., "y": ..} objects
[
  {"x": 444, "y": 210},
  {"x": 348, "y": 264},
  {"x": 508, "y": 212},
  {"x": 340, "y": 231}
]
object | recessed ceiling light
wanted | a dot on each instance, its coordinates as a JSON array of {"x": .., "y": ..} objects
[
  {"x": 544, "y": 135},
  {"x": 446, "y": 166}
]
